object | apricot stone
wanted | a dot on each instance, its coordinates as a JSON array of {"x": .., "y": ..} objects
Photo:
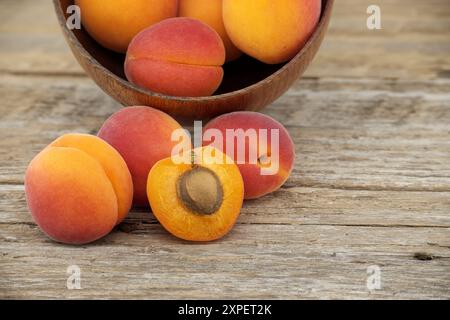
[
  {"x": 260, "y": 146},
  {"x": 78, "y": 188},
  {"x": 178, "y": 57},
  {"x": 143, "y": 136},
  {"x": 271, "y": 31},
  {"x": 210, "y": 12},
  {"x": 114, "y": 23}
]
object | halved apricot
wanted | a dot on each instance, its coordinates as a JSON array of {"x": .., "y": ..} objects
[{"x": 198, "y": 199}]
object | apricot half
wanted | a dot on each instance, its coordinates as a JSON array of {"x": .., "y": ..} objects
[
  {"x": 78, "y": 188},
  {"x": 198, "y": 199}
]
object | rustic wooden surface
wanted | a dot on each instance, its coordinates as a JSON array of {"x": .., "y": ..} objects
[{"x": 371, "y": 185}]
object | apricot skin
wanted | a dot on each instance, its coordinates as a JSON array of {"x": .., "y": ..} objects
[
  {"x": 114, "y": 23},
  {"x": 271, "y": 31},
  {"x": 142, "y": 135},
  {"x": 71, "y": 196},
  {"x": 257, "y": 184},
  {"x": 178, "y": 57},
  {"x": 181, "y": 221},
  {"x": 210, "y": 12},
  {"x": 112, "y": 162}
]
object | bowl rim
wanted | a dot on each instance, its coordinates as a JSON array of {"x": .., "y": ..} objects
[{"x": 326, "y": 11}]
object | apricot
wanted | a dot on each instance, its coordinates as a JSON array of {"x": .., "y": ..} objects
[
  {"x": 210, "y": 12},
  {"x": 143, "y": 136},
  {"x": 260, "y": 146},
  {"x": 114, "y": 23},
  {"x": 198, "y": 199},
  {"x": 78, "y": 188},
  {"x": 271, "y": 31},
  {"x": 178, "y": 57},
  {"x": 112, "y": 162}
]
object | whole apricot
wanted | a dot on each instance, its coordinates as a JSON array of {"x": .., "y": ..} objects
[
  {"x": 143, "y": 136},
  {"x": 271, "y": 31},
  {"x": 210, "y": 12},
  {"x": 114, "y": 23},
  {"x": 260, "y": 146},
  {"x": 78, "y": 188},
  {"x": 178, "y": 57},
  {"x": 112, "y": 162}
]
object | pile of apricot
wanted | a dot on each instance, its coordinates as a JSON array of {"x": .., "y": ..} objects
[
  {"x": 178, "y": 47},
  {"x": 81, "y": 186}
]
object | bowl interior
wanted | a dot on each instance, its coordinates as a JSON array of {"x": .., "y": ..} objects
[{"x": 239, "y": 74}]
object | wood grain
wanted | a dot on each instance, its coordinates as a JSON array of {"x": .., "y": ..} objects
[
  {"x": 371, "y": 184},
  {"x": 254, "y": 261}
]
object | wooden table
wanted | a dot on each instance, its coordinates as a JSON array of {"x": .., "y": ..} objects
[{"x": 371, "y": 184}]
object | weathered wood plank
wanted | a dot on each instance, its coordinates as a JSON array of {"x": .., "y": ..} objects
[
  {"x": 412, "y": 44},
  {"x": 297, "y": 206},
  {"x": 254, "y": 261},
  {"x": 30, "y": 39}
]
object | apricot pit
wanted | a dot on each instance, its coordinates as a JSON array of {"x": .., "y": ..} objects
[{"x": 200, "y": 190}]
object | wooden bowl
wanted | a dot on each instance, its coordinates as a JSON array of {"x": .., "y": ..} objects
[{"x": 248, "y": 84}]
